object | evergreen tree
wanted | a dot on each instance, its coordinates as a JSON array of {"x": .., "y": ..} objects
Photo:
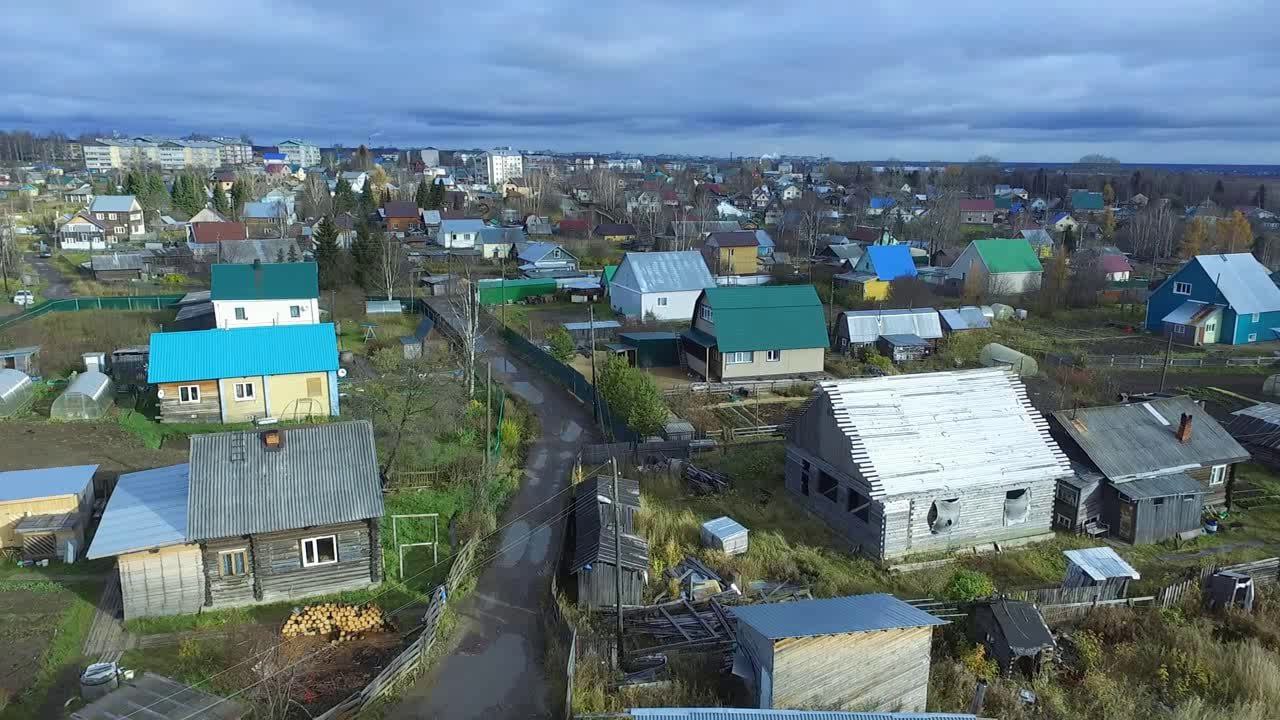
[
  {"x": 328, "y": 254},
  {"x": 293, "y": 253},
  {"x": 422, "y": 196},
  {"x": 221, "y": 202},
  {"x": 154, "y": 190},
  {"x": 436, "y": 199},
  {"x": 239, "y": 196},
  {"x": 364, "y": 254},
  {"x": 344, "y": 200},
  {"x": 368, "y": 200},
  {"x": 178, "y": 192},
  {"x": 1069, "y": 240},
  {"x": 134, "y": 185},
  {"x": 280, "y": 255},
  {"x": 1262, "y": 196}
]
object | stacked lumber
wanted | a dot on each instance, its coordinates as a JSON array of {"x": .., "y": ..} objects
[
  {"x": 337, "y": 621},
  {"x": 706, "y": 482}
]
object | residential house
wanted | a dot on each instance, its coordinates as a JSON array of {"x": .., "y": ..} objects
[
  {"x": 206, "y": 215},
  {"x": 203, "y": 233},
  {"x": 44, "y": 512},
  {"x": 346, "y": 224},
  {"x": 1257, "y": 428},
  {"x": 540, "y": 258},
  {"x": 265, "y": 219},
  {"x": 841, "y": 255},
  {"x": 400, "y": 217},
  {"x": 664, "y": 286},
  {"x": 1139, "y": 200},
  {"x": 615, "y": 232},
  {"x": 764, "y": 244},
  {"x": 761, "y": 331},
  {"x": 732, "y": 253},
  {"x": 516, "y": 187},
  {"x": 761, "y": 197},
  {"x": 252, "y": 295},
  {"x": 79, "y": 195},
  {"x": 1228, "y": 299},
  {"x": 266, "y": 515},
  {"x": 462, "y": 233},
  {"x": 1145, "y": 470},
  {"x": 977, "y": 211},
  {"x": 355, "y": 179},
  {"x": 120, "y": 217},
  {"x": 862, "y": 652},
  {"x": 862, "y": 328},
  {"x": 877, "y": 206},
  {"x": 791, "y": 193},
  {"x": 224, "y": 179},
  {"x": 1086, "y": 201},
  {"x": 1040, "y": 240},
  {"x": 82, "y": 232},
  {"x": 1115, "y": 267},
  {"x": 500, "y": 243},
  {"x": 245, "y": 374},
  {"x": 117, "y": 267},
  {"x": 998, "y": 267},
  {"x": 538, "y": 225},
  {"x": 906, "y": 464},
  {"x": 878, "y": 266},
  {"x": 1062, "y": 222},
  {"x": 869, "y": 235},
  {"x": 573, "y": 227}
]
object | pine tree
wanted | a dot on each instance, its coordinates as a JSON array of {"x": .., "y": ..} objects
[
  {"x": 154, "y": 190},
  {"x": 134, "y": 185},
  {"x": 422, "y": 196},
  {"x": 436, "y": 199},
  {"x": 364, "y": 253},
  {"x": 239, "y": 196},
  {"x": 280, "y": 255},
  {"x": 344, "y": 200},
  {"x": 1262, "y": 196},
  {"x": 328, "y": 254},
  {"x": 1069, "y": 240},
  {"x": 293, "y": 253},
  {"x": 368, "y": 200},
  {"x": 221, "y": 202}
]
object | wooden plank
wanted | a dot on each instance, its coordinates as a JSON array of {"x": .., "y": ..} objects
[{"x": 673, "y": 622}]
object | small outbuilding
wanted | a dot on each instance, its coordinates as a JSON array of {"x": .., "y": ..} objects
[
  {"x": 901, "y": 348},
  {"x": 862, "y": 652},
  {"x": 88, "y": 397},
  {"x": 601, "y": 330},
  {"x": 44, "y": 510},
  {"x": 21, "y": 358},
  {"x": 651, "y": 349},
  {"x": 1098, "y": 566},
  {"x": 16, "y": 390},
  {"x": 1257, "y": 428},
  {"x": 415, "y": 346},
  {"x": 1014, "y": 634},
  {"x": 961, "y": 319},
  {"x": 725, "y": 534},
  {"x": 595, "y": 562},
  {"x": 997, "y": 355}
]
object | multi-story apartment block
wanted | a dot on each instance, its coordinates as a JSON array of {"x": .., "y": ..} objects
[
  {"x": 504, "y": 164},
  {"x": 233, "y": 151},
  {"x": 297, "y": 152},
  {"x": 116, "y": 153}
]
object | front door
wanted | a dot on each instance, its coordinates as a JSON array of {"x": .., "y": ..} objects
[{"x": 1126, "y": 521}]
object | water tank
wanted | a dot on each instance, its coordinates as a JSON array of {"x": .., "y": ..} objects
[{"x": 98, "y": 680}]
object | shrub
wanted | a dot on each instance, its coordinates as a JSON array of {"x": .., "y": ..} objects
[
  {"x": 976, "y": 661},
  {"x": 873, "y": 359},
  {"x": 968, "y": 585},
  {"x": 561, "y": 343},
  {"x": 509, "y": 433}
]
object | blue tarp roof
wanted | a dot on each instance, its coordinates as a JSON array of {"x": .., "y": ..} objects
[
  {"x": 829, "y": 616},
  {"x": 891, "y": 261},
  {"x": 44, "y": 482},
  {"x": 270, "y": 350},
  {"x": 880, "y": 203},
  {"x": 147, "y": 509}
]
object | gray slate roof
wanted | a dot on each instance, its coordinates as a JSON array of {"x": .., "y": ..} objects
[
  {"x": 663, "y": 272},
  {"x": 1101, "y": 563},
  {"x": 1135, "y": 440},
  {"x": 112, "y": 203},
  {"x": 1242, "y": 280},
  {"x": 1161, "y": 486},
  {"x": 864, "y": 326},
  {"x": 322, "y": 475},
  {"x": 116, "y": 261},
  {"x": 830, "y": 616},
  {"x": 754, "y": 714},
  {"x": 593, "y": 522},
  {"x": 147, "y": 509}
]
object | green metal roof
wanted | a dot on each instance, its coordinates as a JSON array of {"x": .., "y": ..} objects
[
  {"x": 264, "y": 281},
  {"x": 1007, "y": 256},
  {"x": 608, "y": 273},
  {"x": 767, "y": 317}
]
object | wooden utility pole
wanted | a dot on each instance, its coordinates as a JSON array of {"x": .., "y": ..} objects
[
  {"x": 1168, "y": 355},
  {"x": 591, "y": 352},
  {"x": 617, "y": 554},
  {"x": 488, "y": 414}
]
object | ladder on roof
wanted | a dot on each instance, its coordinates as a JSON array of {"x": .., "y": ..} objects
[{"x": 237, "y": 447}]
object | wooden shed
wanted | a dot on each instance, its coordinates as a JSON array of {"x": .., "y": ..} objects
[
  {"x": 44, "y": 510},
  {"x": 1014, "y": 635},
  {"x": 595, "y": 559},
  {"x": 862, "y": 652},
  {"x": 1098, "y": 566},
  {"x": 23, "y": 359}
]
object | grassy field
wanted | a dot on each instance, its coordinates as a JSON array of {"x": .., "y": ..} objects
[{"x": 43, "y": 624}]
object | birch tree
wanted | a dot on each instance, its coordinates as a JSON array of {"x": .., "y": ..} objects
[{"x": 468, "y": 321}]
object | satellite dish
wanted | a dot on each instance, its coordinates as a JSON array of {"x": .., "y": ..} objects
[
  {"x": 160, "y": 394},
  {"x": 342, "y": 372}
]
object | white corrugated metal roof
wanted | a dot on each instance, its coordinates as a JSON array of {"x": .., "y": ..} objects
[
  {"x": 1101, "y": 563},
  {"x": 866, "y": 325},
  {"x": 663, "y": 272},
  {"x": 944, "y": 430},
  {"x": 754, "y": 714},
  {"x": 1243, "y": 281},
  {"x": 147, "y": 509}
]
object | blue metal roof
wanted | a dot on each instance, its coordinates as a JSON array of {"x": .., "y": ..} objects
[
  {"x": 263, "y": 210},
  {"x": 44, "y": 482},
  {"x": 880, "y": 203},
  {"x": 830, "y": 616},
  {"x": 112, "y": 203},
  {"x": 891, "y": 262},
  {"x": 271, "y": 350},
  {"x": 1101, "y": 563},
  {"x": 147, "y": 509},
  {"x": 743, "y": 713}
]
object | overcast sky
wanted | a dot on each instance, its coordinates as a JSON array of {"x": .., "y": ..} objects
[{"x": 1144, "y": 81}]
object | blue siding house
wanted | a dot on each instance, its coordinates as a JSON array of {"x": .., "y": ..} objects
[{"x": 1228, "y": 299}]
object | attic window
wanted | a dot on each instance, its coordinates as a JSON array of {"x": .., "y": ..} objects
[
  {"x": 1017, "y": 505},
  {"x": 943, "y": 515}
]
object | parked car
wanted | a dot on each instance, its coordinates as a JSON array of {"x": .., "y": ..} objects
[{"x": 24, "y": 297}]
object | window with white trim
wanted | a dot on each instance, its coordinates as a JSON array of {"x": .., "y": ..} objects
[
  {"x": 1217, "y": 474},
  {"x": 1182, "y": 288},
  {"x": 705, "y": 313},
  {"x": 189, "y": 394},
  {"x": 740, "y": 358},
  {"x": 1256, "y": 317},
  {"x": 233, "y": 562},
  {"x": 240, "y": 314},
  {"x": 772, "y": 355},
  {"x": 244, "y": 391},
  {"x": 295, "y": 311},
  {"x": 1253, "y": 337},
  {"x": 662, "y": 302},
  {"x": 321, "y": 550}
]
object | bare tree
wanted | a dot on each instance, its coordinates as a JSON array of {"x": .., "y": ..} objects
[
  {"x": 391, "y": 267},
  {"x": 316, "y": 200},
  {"x": 10, "y": 253},
  {"x": 464, "y": 306},
  {"x": 606, "y": 190},
  {"x": 1151, "y": 231}
]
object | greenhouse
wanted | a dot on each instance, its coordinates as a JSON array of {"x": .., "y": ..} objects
[
  {"x": 995, "y": 354},
  {"x": 15, "y": 392},
  {"x": 88, "y": 397}
]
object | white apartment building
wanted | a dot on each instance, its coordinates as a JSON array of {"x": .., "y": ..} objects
[
  {"x": 297, "y": 152},
  {"x": 504, "y": 164},
  {"x": 117, "y": 153},
  {"x": 233, "y": 151}
]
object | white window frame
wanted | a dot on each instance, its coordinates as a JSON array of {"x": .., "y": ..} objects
[
  {"x": 773, "y": 356},
  {"x": 295, "y": 311},
  {"x": 241, "y": 313},
  {"x": 1253, "y": 337},
  {"x": 191, "y": 391},
  {"x": 315, "y": 550},
  {"x": 1256, "y": 317},
  {"x": 244, "y": 392},
  {"x": 662, "y": 302},
  {"x": 735, "y": 358},
  {"x": 1217, "y": 474},
  {"x": 1181, "y": 288},
  {"x": 222, "y": 568},
  {"x": 705, "y": 313}
]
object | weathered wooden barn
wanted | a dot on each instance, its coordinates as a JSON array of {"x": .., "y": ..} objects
[
  {"x": 1014, "y": 635},
  {"x": 926, "y": 462},
  {"x": 594, "y": 563},
  {"x": 863, "y": 652},
  {"x": 255, "y": 516},
  {"x": 1257, "y": 428}
]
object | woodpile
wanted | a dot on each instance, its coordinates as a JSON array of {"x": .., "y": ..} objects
[
  {"x": 335, "y": 621},
  {"x": 706, "y": 482}
]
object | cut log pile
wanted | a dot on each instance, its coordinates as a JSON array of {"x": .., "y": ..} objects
[
  {"x": 335, "y": 621},
  {"x": 706, "y": 482}
]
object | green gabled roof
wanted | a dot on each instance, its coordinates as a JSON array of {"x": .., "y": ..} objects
[
  {"x": 767, "y": 317},
  {"x": 264, "y": 281},
  {"x": 1007, "y": 256},
  {"x": 607, "y": 275}
]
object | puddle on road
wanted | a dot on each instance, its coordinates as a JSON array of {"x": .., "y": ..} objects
[
  {"x": 527, "y": 392},
  {"x": 513, "y": 543},
  {"x": 502, "y": 365}
]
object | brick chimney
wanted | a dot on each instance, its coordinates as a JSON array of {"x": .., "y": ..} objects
[{"x": 1184, "y": 429}]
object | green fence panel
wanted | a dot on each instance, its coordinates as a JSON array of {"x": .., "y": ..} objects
[{"x": 109, "y": 302}]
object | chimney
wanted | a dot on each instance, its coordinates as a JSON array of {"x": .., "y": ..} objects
[
  {"x": 272, "y": 440},
  {"x": 1184, "y": 429}
]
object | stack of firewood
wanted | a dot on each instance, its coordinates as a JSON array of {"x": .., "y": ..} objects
[{"x": 336, "y": 621}]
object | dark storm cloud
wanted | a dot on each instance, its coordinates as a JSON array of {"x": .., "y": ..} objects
[{"x": 1142, "y": 81}]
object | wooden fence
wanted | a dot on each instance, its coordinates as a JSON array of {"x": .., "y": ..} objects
[
  {"x": 1154, "y": 362},
  {"x": 754, "y": 432},
  {"x": 413, "y": 657},
  {"x": 1066, "y": 596},
  {"x": 727, "y": 388},
  {"x": 557, "y": 623}
]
